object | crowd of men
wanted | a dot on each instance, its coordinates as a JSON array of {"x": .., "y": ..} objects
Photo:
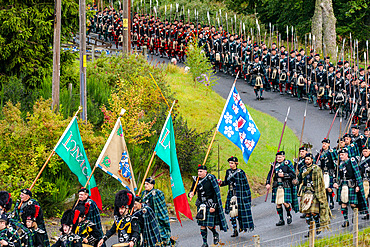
[
  {"x": 262, "y": 64},
  {"x": 138, "y": 221},
  {"x": 343, "y": 169}
]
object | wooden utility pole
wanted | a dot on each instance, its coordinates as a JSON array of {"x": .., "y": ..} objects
[
  {"x": 56, "y": 55},
  {"x": 126, "y": 26},
  {"x": 83, "y": 60}
]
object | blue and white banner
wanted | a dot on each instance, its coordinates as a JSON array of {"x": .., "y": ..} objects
[{"x": 237, "y": 125}]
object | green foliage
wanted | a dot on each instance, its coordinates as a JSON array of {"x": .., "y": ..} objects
[
  {"x": 25, "y": 146},
  {"x": 26, "y": 36},
  {"x": 200, "y": 66}
]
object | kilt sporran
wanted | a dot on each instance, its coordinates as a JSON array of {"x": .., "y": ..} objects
[
  {"x": 326, "y": 180},
  {"x": 306, "y": 200},
  {"x": 202, "y": 212},
  {"x": 218, "y": 57},
  {"x": 258, "y": 81},
  {"x": 300, "y": 81},
  {"x": 366, "y": 187},
  {"x": 233, "y": 206},
  {"x": 274, "y": 72},
  {"x": 344, "y": 194},
  {"x": 280, "y": 195}
]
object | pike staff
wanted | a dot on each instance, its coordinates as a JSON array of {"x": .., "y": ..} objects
[{"x": 281, "y": 138}]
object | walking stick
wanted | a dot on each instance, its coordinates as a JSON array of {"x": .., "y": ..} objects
[
  {"x": 281, "y": 138},
  {"x": 327, "y": 135}
]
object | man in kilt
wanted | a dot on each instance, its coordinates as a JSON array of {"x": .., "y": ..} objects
[
  {"x": 26, "y": 199},
  {"x": 349, "y": 185},
  {"x": 209, "y": 204},
  {"x": 154, "y": 198},
  {"x": 283, "y": 190},
  {"x": 314, "y": 203},
  {"x": 328, "y": 166},
  {"x": 298, "y": 165},
  {"x": 353, "y": 150},
  {"x": 239, "y": 209},
  {"x": 93, "y": 213},
  {"x": 364, "y": 167},
  {"x": 149, "y": 227}
]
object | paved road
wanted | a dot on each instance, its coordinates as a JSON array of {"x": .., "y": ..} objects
[{"x": 264, "y": 213}]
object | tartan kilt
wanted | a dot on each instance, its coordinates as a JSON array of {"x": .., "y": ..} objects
[
  {"x": 211, "y": 220},
  {"x": 314, "y": 209},
  {"x": 352, "y": 195},
  {"x": 288, "y": 198}
]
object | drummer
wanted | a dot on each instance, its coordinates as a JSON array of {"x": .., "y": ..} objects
[
  {"x": 126, "y": 225},
  {"x": 86, "y": 229}
]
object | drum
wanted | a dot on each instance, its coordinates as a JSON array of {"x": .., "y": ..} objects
[{"x": 87, "y": 245}]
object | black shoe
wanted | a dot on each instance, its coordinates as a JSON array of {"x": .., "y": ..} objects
[
  {"x": 216, "y": 238},
  {"x": 204, "y": 245},
  {"x": 280, "y": 223},
  {"x": 307, "y": 235},
  {"x": 281, "y": 93},
  {"x": 235, "y": 234},
  {"x": 366, "y": 217},
  {"x": 289, "y": 220},
  {"x": 331, "y": 205},
  {"x": 302, "y": 216},
  {"x": 345, "y": 223},
  {"x": 299, "y": 99},
  {"x": 320, "y": 107},
  {"x": 318, "y": 232},
  {"x": 261, "y": 98},
  {"x": 257, "y": 97}
]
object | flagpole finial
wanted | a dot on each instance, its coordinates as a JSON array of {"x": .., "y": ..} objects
[
  {"x": 78, "y": 111},
  {"x": 122, "y": 112}
]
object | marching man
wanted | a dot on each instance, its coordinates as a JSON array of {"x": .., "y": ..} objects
[{"x": 209, "y": 204}]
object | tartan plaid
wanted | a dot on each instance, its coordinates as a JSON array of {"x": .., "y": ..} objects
[
  {"x": 38, "y": 237},
  {"x": 243, "y": 194},
  {"x": 354, "y": 198},
  {"x": 155, "y": 198},
  {"x": 40, "y": 220},
  {"x": 218, "y": 217},
  {"x": 94, "y": 215},
  {"x": 25, "y": 235},
  {"x": 10, "y": 236},
  {"x": 353, "y": 151},
  {"x": 150, "y": 232}
]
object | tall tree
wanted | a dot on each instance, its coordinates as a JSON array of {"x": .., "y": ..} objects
[
  {"x": 26, "y": 36},
  {"x": 323, "y": 27}
]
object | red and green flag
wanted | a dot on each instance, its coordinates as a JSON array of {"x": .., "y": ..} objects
[
  {"x": 166, "y": 150},
  {"x": 71, "y": 150}
]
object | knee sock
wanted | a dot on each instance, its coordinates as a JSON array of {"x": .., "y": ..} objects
[
  {"x": 233, "y": 222},
  {"x": 308, "y": 219},
  {"x": 280, "y": 213},
  {"x": 203, "y": 232},
  {"x": 213, "y": 230},
  {"x": 281, "y": 87},
  {"x": 261, "y": 91},
  {"x": 345, "y": 213},
  {"x": 317, "y": 220},
  {"x": 288, "y": 209},
  {"x": 256, "y": 91}
]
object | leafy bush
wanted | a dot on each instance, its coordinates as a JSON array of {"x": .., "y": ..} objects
[
  {"x": 26, "y": 144},
  {"x": 200, "y": 67}
]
